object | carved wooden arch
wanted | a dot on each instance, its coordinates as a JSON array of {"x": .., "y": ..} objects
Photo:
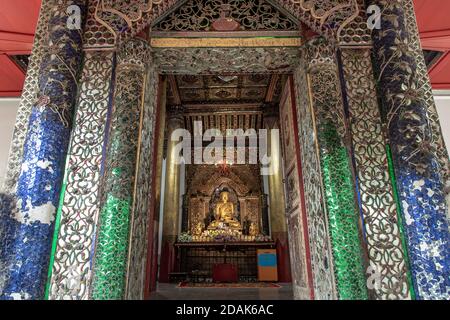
[
  {"x": 240, "y": 189},
  {"x": 110, "y": 22}
]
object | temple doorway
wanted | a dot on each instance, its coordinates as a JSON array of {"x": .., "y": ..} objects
[
  {"x": 122, "y": 180},
  {"x": 225, "y": 158}
]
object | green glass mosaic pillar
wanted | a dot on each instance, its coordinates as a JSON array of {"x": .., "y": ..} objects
[
  {"x": 337, "y": 176},
  {"x": 111, "y": 253}
]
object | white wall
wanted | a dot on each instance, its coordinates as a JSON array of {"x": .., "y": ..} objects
[
  {"x": 8, "y": 111},
  {"x": 442, "y": 99}
]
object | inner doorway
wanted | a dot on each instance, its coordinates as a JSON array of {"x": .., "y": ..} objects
[
  {"x": 227, "y": 66},
  {"x": 222, "y": 207}
]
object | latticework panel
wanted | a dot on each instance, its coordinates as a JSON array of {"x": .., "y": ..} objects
[
  {"x": 199, "y": 15},
  {"x": 110, "y": 22},
  {"x": 144, "y": 194},
  {"x": 388, "y": 269},
  {"x": 79, "y": 209}
]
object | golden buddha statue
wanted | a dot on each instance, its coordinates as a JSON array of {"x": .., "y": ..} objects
[{"x": 224, "y": 215}]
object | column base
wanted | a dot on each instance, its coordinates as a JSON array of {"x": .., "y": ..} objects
[
  {"x": 284, "y": 264},
  {"x": 168, "y": 258}
]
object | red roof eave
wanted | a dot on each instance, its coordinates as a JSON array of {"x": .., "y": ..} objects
[{"x": 18, "y": 19}]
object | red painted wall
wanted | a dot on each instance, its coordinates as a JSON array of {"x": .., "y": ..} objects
[{"x": 18, "y": 20}]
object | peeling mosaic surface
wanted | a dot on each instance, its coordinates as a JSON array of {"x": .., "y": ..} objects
[
  {"x": 336, "y": 173},
  {"x": 7, "y": 232},
  {"x": 423, "y": 81},
  {"x": 43, "y": 160},
  {"x": 72, "y": 255},
  {"x": 111, "y": 253},
  {"x": 319, "y": 238},
  {"x": 416, "y": 158},
  {"x": 28, "y": 98}
]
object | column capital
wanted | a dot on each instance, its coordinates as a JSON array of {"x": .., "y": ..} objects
[
  {"x": 271, "y": 116},
  {"x": 135, "y": 52},
  {"x": 175, "y": 116},
  {"x": 320, "y": 52}
]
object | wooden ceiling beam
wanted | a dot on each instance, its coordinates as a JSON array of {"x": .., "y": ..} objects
[
  {"x": 224, "y": 42},
  {"x": 175, "y": 90},
  {"x": 225, "y": 34},
  {"x": 272, "y": 87}
]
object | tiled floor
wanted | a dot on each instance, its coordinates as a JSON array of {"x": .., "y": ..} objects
[{"x": 167, "y": 291}]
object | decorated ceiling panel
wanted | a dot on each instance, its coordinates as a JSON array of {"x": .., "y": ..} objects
[
  {"x": 225, "y": 102},
  {"x": 218, "y": 89}
]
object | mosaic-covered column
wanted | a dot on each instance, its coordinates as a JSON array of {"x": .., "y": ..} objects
[
  {"x": 278, "y": 225},
  {"x": 142, "y": 226},
  {"x": 111, "y": 252},
  {"x": 171, "y": 220},
  {"x": 75, "y": 227},
  {"x": 388, "y": 271},
  {"x": 337, "y": 176},
  {"x": 322, "y": 264},
  {"x": 419, "y": 167},
  {"x": 424, "y": 82},
  {"x": 27, "y": 99},
  {"x": 44, "y": 153}
]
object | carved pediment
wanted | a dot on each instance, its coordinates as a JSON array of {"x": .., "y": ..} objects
[
  {"x": 202, "y": 179},
  {"x": 226, "y": 15},
  {"x": 216, "y": 181},
  {"x": 110, "y": 22}
]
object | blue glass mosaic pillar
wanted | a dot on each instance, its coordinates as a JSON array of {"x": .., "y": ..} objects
[
  {"x": 419, "y": 169},
  {"x": 28, "y": 230}
]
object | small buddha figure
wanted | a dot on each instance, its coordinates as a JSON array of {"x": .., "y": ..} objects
[
  {"x": 253, "y": 230},
  {"x": 198, "y": 229},
  {"x": 224, "y": 213}
]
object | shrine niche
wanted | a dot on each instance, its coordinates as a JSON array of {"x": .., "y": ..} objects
[{"x": 224, "y": 204}]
